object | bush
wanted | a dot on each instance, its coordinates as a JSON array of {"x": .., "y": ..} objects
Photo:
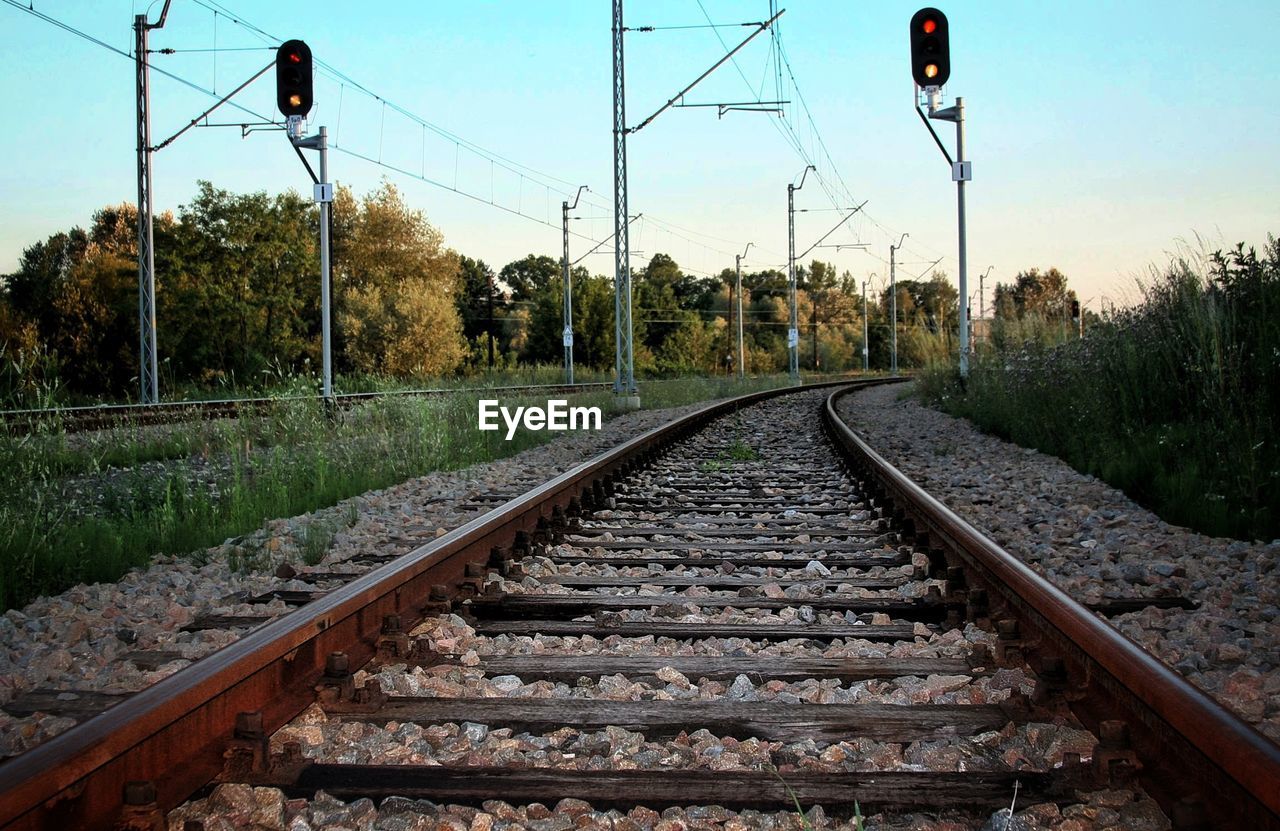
[{"x": 1173, "y": 401}]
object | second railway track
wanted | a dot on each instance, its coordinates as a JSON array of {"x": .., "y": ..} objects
[{"x": 745, "y": 610}]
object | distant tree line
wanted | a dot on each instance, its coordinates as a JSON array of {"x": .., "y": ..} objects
[{"x": 237, "y": 304}]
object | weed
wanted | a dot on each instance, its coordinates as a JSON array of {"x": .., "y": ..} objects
[
  {"x": 740, "y": 451},
  {"x": 1170, "y": 401},
  {"x": 795, "y": 800},
  {"x": 291, "y": 460},
  {"x": 316, "y": 541}
]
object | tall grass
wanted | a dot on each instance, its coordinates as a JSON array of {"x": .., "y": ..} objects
[
  {"x": 1174, "y": 401},
  {"x": 292, "y": 460}
]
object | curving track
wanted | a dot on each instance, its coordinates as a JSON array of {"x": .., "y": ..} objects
[{"x": 727, "y": 574}]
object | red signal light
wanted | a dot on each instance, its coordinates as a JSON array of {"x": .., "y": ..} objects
[
  {"x": 294, "y": 57},
  {"x": 930, "y": 26}
]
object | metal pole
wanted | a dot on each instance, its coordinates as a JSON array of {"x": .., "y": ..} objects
[
  {"x": 793, "y": 332},
  {"x": 489, "y": 323},
  {"x": 326, "y": 335},
  {"x": 742, "y": 366},
  {"x": 568, "y": 299},
  {"x": 734, "y": 288},
  {"x": 148, "y": 382},
  {"x": 893, "y": 302},
  {"x": 813, "y": 319},
  {"x": 738, "y": 290},
  {"x": 568, "y": 288},
  {"x": 964, "y": 253},
  {"x": 866, "y": 347},
  {"x": 982, "y": 294},
  {"x": 624, "y": 380}
]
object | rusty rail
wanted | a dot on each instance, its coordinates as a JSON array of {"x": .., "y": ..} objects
[
  {"x": 152, "y": 751},
  {"x": 1206, "y": 766}
]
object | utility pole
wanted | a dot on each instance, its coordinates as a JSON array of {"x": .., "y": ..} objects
[
  {"x": 961, "y": 172},
  {"x": 624, "y": 382},
  {"x": 930, "y": 68},
  {"x": 813, "y": 321},
  {"x": 148, "y": 379},
  {"x": 963, "y": 233},
  {"x": 866, "y": 346},
  {"x": 737, "y": 265},
  {"x": 893, "y": 300},
  {"x": 793, "y": 331},
  {"x": 568, "y": 288},
  {"x": 489, "y": 323},
  {"x": 982, "y": 304},
  {"x": 324, "y": 196},
  {"x": 982, "y": 295}
]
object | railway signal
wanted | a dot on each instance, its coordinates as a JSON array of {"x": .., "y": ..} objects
[
  {"x": 930, "y": 48},
  {"x": 294, "y": 98},
  {"x": 931, "y": 67},
  {"x": 293, "y": 78}
]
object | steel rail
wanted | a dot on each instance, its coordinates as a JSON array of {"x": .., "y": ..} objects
[
  {"x": 1188, "y": 743},
  {"x": 174, "y": 734}
]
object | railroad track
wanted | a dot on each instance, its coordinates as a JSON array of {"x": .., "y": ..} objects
[
  {"x": 746, "y": 609},
  {"x": 78, "y": 419}
]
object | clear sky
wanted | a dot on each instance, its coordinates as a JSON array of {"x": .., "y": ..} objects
[{"x": 1102, "y": 133}]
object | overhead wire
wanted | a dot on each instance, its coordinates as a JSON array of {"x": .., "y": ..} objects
[
  {"x": 562, "y": 186},
  {"x": 836, "y": 189},
  {"x": 270, "y": 41}
]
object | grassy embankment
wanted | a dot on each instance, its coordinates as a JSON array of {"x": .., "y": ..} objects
[
  {"x": 1175, "y": 401},
  {"x": 291, "y": 461}
]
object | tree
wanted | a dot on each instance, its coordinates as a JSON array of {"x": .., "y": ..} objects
[
  {"x": 246, "y": 298},
  {"x": 482, "y": 307},
  {"x": 827, "y": 302},
  {"x": 73, "y": 299},
  {"x": 42, "y": 269},
  {"x": 399, "y": 284},
  {"x": 526, "y": 277},
  {"x": 593, "y": 325},
  {"x": 933, "y": 304},
  {"x": 1033, "y": 292}
]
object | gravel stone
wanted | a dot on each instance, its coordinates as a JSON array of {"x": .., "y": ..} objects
[
  {"x": 78, "y": 640},
  {"x": 1094, "y": 543}
]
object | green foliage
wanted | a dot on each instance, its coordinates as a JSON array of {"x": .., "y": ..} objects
[
  {"x": 1174, "y": 401},
  {"x": 29, "y": 376},
  {"x": 237, "y": 296},
  {"x": 479, "y": 297},
  {"x": 530, "y": 275},
  {"x": 737, "y": 451},
  {"x": 740, "y": 451},
  {"x": 240, "y": 293},
  {"x": 238, "y": 306},
  {"x": 397, "y": 311},
  {"x": 1043, "y": 295},
  {"x": 290, "y": 461}
]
